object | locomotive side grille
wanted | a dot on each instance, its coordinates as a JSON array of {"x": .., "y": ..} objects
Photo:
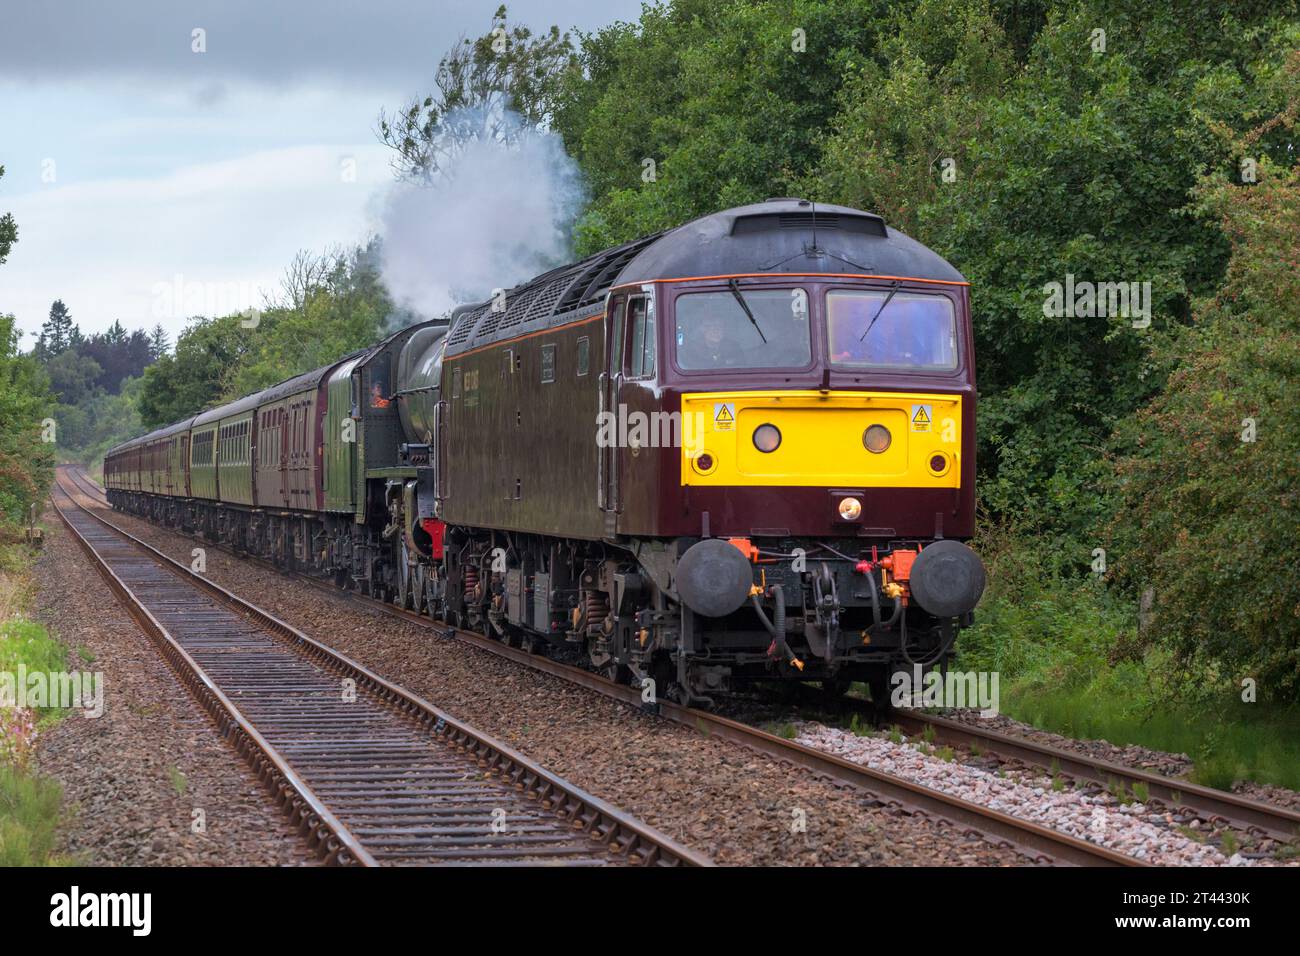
[
  {"x": 466, "y": 325},
  {"x": 542, "y": 304},
  {"x": 518, "y": 305}
]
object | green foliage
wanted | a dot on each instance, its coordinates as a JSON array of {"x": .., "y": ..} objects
[
  {"x": 477, "y": 81},
  {"x": 26, "y": 462},
  {"x": 196, "y": 374},
  {"x": 897, "y": 123},
  {"x": 716, "y": 94},
  {"x": 27, "y": 642},
  {"x": 8, "y": 231},
  {"x": 334, "y": 304},
  {"x": 29, "y": 817},
  {"x": 1208, "y": 517},
  {"x": 100, "y": 421}
]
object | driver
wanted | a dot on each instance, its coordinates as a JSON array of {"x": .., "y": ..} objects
[{"x": 709, "y": 346}]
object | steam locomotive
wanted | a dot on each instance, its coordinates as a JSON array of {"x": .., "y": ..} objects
[{"x": 737, "y": 450}]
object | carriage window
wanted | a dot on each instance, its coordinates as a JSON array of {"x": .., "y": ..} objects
[
  {"x": 584, "y": 355},
  {"x": 909, "y": 330},
  {"x": 743, "y": 328}
]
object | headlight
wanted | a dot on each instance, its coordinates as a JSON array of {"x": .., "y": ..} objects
[
  {"x": 703, "y": 463},
  {"x": 767, "y": 438},
  {"x": 850, "y": 509},
  {"x": 876, "y": 439},
  {"x": 939, "y": 463}
]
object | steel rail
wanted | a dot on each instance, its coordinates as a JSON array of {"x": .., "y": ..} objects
[
  {"x": 1037, "y": 842},
  {"x": 524, "y": 786},
  {"x": 1040, "y": 843},
  {"x": 1217, "y": 806}
]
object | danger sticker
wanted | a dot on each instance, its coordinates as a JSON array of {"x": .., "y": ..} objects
[
  {"x": 922, "y": 418},
  {"x": 724, "y": 416}
]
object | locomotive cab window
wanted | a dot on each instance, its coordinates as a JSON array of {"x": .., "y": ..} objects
[
  {"x": 641, "y": 339},
  {"x": 884, "y": 329},
  {"x": 742, "y": 328}
]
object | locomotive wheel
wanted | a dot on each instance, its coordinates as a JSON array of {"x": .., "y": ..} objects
[
  {"x": 403, "y": 596},
  {"x": 613, "y": 670}
]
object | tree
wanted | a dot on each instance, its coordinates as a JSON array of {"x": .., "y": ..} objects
[
  {"x": 159, "y": 343},
  {"x": 58, "y": 334},
  {"x": 1207, "y": 484},
  {"x": 488, "y": 88},
  {"x": 72, "y": 375},
  {"x": 26, "y": 459},
  {"x": 195, "y": 375},
  {"x": 8, "y": 230},
  {"x": 705, "y": 104}
]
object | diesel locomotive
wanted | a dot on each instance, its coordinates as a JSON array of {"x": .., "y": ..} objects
[{"x": 738, "y": 450}]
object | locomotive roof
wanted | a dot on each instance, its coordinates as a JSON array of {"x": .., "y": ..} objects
[{"x": 779, "y": 235}]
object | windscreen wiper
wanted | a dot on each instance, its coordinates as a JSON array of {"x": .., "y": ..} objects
[
  {"x": 735, "y": 290},
  {"x": 881, "y": 309}
]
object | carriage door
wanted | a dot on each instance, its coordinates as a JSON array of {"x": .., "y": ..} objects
[
  {"x": 282, "y": 433},
  {"x": 607, "y": 452}
]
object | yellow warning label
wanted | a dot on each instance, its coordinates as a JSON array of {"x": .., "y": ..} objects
[
  {"x": 724, "y": 416},
  {"x": 922, "y": 417}
]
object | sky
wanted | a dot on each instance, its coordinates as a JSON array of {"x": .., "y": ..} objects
[{"x": 146, "y": 177}]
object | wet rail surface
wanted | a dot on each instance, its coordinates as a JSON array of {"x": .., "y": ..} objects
[{"x": 371, "y": 774}]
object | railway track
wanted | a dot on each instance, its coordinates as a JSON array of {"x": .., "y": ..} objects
[
  {"x": 1217, "y": 807},
  {"x": 1036, "y": 842},
  {"x": 371, "y": 774}
]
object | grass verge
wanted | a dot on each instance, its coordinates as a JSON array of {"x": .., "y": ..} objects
[
  {"x": 30, "y": 804},
  {"x": 1070, "y": 661}
]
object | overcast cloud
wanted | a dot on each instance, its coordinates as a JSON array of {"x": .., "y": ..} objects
[{"x": 132, "y": 162}]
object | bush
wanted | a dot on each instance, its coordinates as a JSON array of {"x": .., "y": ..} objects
[{"x": 1208, "y": 492}]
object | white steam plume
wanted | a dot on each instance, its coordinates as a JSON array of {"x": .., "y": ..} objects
[{"x": 499, "y": 211}]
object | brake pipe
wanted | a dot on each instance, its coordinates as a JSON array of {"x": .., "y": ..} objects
[{"x": 776, "y": 625}]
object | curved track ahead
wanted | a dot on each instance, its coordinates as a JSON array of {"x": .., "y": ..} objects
[{"x": 372, "y": 774}]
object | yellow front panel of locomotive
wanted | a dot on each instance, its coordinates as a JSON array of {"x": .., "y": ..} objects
[{"x": 821, "y": 443}]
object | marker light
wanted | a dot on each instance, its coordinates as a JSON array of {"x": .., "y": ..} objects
[
  {"x": 938, "y": 463},
  {"x": 876, "y": 439},
  {"x": 850, "y": 509},
  {"x": 767, "y": 438},
  {"x": 703, "y": 463}
]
